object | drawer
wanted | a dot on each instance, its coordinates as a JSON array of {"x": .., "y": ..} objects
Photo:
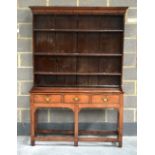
[
  {"x": 112, "y": 99},
  {"x": 47, "y": 98},
  {"x": 76, "y": 98}
]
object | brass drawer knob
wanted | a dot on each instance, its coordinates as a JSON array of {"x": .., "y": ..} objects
[
  {"x": 105, "y": 99},
  {"x": 76, "y": 99},
  {"x": 47, "y": 99}
]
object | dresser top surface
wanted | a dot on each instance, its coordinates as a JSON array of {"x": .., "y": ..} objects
[
  {"x": 74, "y": 90},
  {"x": 72, "y": 10}
]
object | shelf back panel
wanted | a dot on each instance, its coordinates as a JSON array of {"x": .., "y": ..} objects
[
  {"x": 100, "y": 22},
  {"x": 108, "y": 22},
  {"x": 78, "y": 31},
  {"x": 43, "y": 21},
  {"x": 77, "y": 64},
  {"x": 77, "y": 81},
  {"x": 54, "y": 42},
  {"x": 63, "y": 42}
]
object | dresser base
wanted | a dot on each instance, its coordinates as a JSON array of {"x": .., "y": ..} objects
[{"x": 76, "y": 100}]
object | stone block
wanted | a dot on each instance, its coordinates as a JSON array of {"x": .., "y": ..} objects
[
  {"x": 61, "y": 115},
  {"x": 129, "y": 74},
  {"x": 111, "y": 116},
  {"x": 25, "y": 87},
  {"x": 25, "y": 30},
  {"x": 24, "y": 45},
  {"x": 127, "y": 3},
  {"x": 24, "y": 74},
  {"x": 92, "y": 115},
  {"x": 26, "y": 60},
  {"x": 27, "y": 3},
  {"x": 130, "y": 59},
  {"x": 25, "y": 114},
  {"x": 130, "y": 101},
  {"x": 62, "y": 2},
  {"x": 130, "y": 45},
  {"x": 23, "y": 102},
  {"x": 130, "y": 30},
  {"x": 92, "y": 3},
  {"x": 24, "y": 16},
  {"x": 129, "y": 87}
]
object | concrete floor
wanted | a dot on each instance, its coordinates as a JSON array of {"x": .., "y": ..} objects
[{"x": 84, "y": 148}]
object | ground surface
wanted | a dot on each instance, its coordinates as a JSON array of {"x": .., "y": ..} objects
[{"x": 84, "y": 148}]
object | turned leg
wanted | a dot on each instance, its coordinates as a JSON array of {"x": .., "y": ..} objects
[
  {"x": 120, "y": 122},
  {"x": 36, "y": 121},
  {"x": 33, "y": 123},
  {"x": 120, "y": 143},
  {"x": 76, "y": 122}
]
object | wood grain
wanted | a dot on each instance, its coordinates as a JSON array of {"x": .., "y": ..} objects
[{"x": 77, "y": 64}]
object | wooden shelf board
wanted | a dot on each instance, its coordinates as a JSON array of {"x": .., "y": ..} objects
[
  {"x": 75, "y": 30},
  {"x": 46, "y": 10},
  {"x": 75, "y": 54},
  {"x": 71, "y": 73},
  {"x": 49, "y": 88},
  {"x": 80, "y": 86}
]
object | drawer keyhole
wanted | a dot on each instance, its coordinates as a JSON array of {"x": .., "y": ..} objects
[
  {"x": 105, "y": 99},
  {"x": 76, "y": 99},
  {"x": 47, "y": 99}
]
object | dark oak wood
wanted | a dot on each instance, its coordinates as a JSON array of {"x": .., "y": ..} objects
[
  {"x": 54, "y": 138},
  {"x": 75, "y": 30},
  {"x": 71, "y": 73},
  {"x": 98, "y": 139},
  {"x": 76, "y": 122},
  {"x": 77, "y": 64},
  {"x": 76, "y": 54},
  {"x": 79, "y": 10},
  {"x": 81, "y": 132},
  {"x": 42, "y": 90},
  {"x": 120, "y": 120}
]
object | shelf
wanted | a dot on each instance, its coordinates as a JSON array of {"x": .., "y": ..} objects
[
  {"x": 71, "y": 73},
  {"x": 80, "y": 50},
  {"x": 81, "y": 86},
  {"x": 75, "y": 30},
  {"x": 38, "y": 88},
  {"x": 75, "y": 54}
]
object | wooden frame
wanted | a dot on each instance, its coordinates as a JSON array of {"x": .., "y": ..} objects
[{"x": 78, "y": 60}]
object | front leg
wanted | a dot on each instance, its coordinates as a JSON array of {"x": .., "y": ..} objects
[
  {"x": 76, "y": 122},
  {"x": 33, "y": 125}
]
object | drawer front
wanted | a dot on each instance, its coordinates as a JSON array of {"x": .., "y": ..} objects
[
  {"x": 112, "y": 99},
  {"x": 47, "y": 98},
  {"x": 76, "y": 98}
]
